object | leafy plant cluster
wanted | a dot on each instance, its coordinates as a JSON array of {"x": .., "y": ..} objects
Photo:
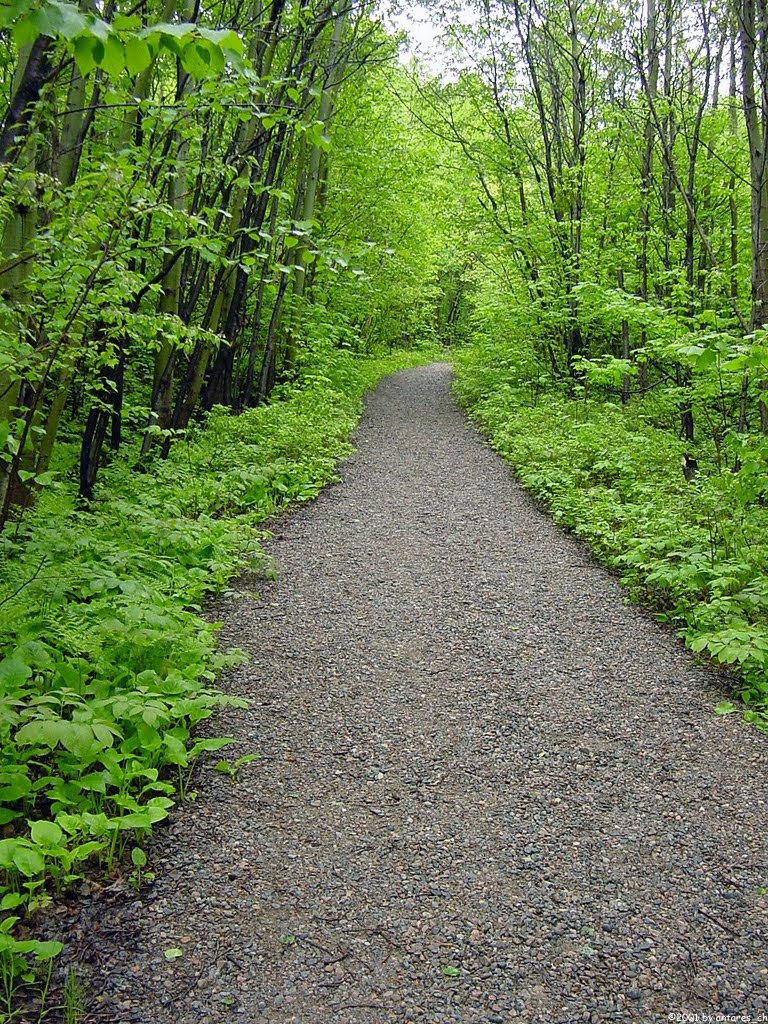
[
  {"x": 107, "y": 665},
  {"x": 695, "y": 552}
]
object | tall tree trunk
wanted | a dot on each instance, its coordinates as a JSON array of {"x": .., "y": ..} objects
[
  {"x": 104, "y": 406},
  {"x": 170, "y": 298},
  {"x": 753, "y": 41},
  {"x": 33, "y": 70},
  {"x": 71, "y": 130},
  {"x": 646, "y": 174},
  {"x": 266, "y": 271},
  {"x": 334, "y": 70},
  {"x": 626, "y": 380},
  {"x": 18, "y": 231}
]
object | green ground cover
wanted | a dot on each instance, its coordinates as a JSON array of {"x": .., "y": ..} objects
[
  {"x": 694, "y": 552},
  {"x": 107, "y": 663}
]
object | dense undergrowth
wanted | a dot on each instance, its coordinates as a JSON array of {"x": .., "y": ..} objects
[
  {"x": 695, "y": 552},
  {"x": 106, "y": 662}
]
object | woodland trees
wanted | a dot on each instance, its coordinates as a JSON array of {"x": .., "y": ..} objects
[
  {"x": 189, "y": 197},
  {"x": 193, "y": 201},
  {"x": 620, "y": 158},
  {"x": 165, "y": 178}
]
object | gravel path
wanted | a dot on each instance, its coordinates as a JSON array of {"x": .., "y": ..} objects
[{"x": 475, "y": 760}]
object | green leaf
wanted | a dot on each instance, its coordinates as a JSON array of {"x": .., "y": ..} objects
[
  {"x": 224, "y": 38},
  {"x": 33, "y": 652},
  {"x": 176, "y": 749},
  {"x": 69, "y": 674},
  {"x": 47, "y": 732},
  {"x": 14, "y": 785},
  {"x": 24, "y": 32},
  {"x": 46, "y": 833},
  {"x": 104, "y": 733},
  {"x": 46, "y": 20},
  {"x": 725, "y": 708},
  {"x": 113, "y": 57},
  {"x": 78, "y": 738},
  {"x": 47, "y": 950},
  {"x": 138, "y": 55},
  {"x": 208, "y": 55},
  {"x": 149, "y": 737},
  {"x": 84, "y": 850},
  {"x": 170, "y": 29},
  {"x": 211, "y": 745},
  {"x": 28, "y": 861},
  {"x": 85, "y": 54},
  {"x": 13, "y": 673},
  {"x": 126, "y": 23},
  {"x": 99, "y": 29},
  {"x": 144, "y": 819},
  {"x": 138, "y": 857},
  {"x": 196, "y": 60},
  {"x": 11, "y": 900},
  {"x": 707, "y": 358},
  {"x": 95, "y": 824},
  {"x": 71, "y": 21}
]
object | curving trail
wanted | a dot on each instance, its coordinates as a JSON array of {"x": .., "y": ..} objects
[{"x": 475, "y": 757}]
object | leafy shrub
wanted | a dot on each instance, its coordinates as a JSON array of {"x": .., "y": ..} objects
[
  {"x": 106, "y": 663},
  {"x": 694, "y": 552}
]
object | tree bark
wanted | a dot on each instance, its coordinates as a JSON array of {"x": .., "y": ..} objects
[{"x": 753, "y": 42}]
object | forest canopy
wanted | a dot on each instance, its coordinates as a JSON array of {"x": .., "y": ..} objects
[
  {"x": 193, "y": 198},
  {"x": 177, "y": 219}
]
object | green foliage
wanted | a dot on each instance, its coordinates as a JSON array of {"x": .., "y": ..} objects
[
  {"x": 107, "y": 667},
  {"x": 74, "y": 1000},
  {"x": 123, "y": 45},
  {"x": 411, "y": 207},
  {"x": 696, "y": 552},
  {"x": 232, "y": 768}
]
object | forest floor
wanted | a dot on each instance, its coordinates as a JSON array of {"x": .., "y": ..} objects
[{"x": 488, "y": 790}]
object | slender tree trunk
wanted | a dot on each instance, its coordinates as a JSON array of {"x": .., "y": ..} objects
[
  {"x": 753, "y": 41},
  {"x": 104, "y": 408},
  {"x": 269, "y": 363},
  {"x": 626, "y": 380},
  {"x": 733, "y": 211},
  {"x": 334, "y": 70},
  {"x": 33, "y": 71},
  {"x": 52, "y": 423},
  {"x": 646, "y": 175},
  {"x": 116, "y": 428},
  {"x": 266, "y": 270},
  {"x": 71, "y": 129}
]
